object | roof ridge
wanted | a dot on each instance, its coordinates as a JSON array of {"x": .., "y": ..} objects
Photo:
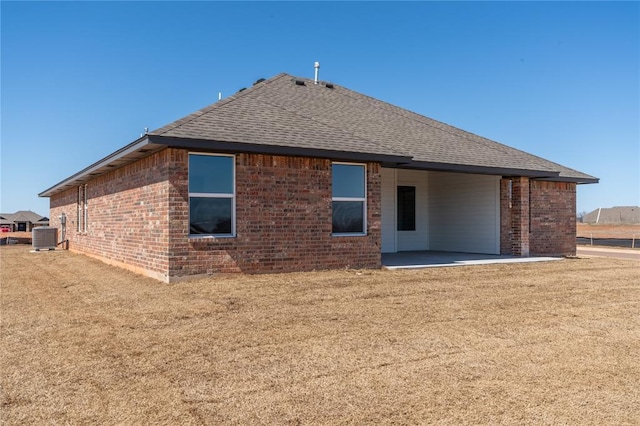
[
  {"x": 218, "y": 104},
  {"x": 309, "y": 117},
  {"x": 428, "y": 121},
  {"x": 444, "y": 127},
  {"x": 456, "y": 131}
]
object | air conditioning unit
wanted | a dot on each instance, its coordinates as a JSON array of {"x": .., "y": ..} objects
[{"x": 44, "y": 238}]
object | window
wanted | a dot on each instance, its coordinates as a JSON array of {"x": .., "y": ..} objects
[
  {"x": 82, "y": 209},
  {"x": 211, "y": 195},
  {"x": 85, "y": 222},
  {"x": 406, "y": 208},
  {"x": 349, "y": 199},
  {"x": 79, "y": 210}
]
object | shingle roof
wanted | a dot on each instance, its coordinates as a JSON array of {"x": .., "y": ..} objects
[
  {"x": 279, "y": 112},
  {"x": 22, "y": 216},
  {"x": 293, "y": 116},
  {"x": 614, "y": 215}
]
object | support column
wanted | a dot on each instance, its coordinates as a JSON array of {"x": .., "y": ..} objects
[{"x": 520, "y": 217}]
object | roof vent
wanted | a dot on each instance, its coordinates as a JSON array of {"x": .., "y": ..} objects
[
  {"x": 243, "y": 89},
  {"x": 316, "y": 65},
  {"x": 260, "y": 80},
  {"x": 300, "y": 83},
  {"x": 329, "y": 85}
]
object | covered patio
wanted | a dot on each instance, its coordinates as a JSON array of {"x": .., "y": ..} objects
[{"x": 434, "y": 259}]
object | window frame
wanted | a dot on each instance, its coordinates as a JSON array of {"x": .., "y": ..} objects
[
  {"x": 218, "y": 195},
  {"x": 82, "y": 207},
  {"x": 359, "y": 199},
  {"x": 85, "y": 213},
  {"x": 79, "y": 214}
]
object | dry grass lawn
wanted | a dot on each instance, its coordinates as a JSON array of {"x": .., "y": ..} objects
[
  {"x": 541, "y": 343},
  {"x": 587, "y": 230}
]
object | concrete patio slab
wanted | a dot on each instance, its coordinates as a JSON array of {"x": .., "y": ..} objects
[{"x": 435, "y": 259}]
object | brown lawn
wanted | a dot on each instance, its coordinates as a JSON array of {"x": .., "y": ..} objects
[
  {"x": 588, "y": 230},
  {"x": 543, "y": 343},
  {"x": 21, "y": 234}
]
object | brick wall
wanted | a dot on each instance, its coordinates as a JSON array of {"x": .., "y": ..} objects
[
  {"x": 553, "y": 218},
  {"x": 127, "y": 216},
  {"x": 283, "y": 220},
  {"x": 537, "y": 218},
  {"x": 506, "y": 204},
  {"x": 138, "y": 218}
]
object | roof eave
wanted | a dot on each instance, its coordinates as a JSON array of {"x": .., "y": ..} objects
[
  {"x": 579, "y": 180},
  {"x": 254, "y": 148},
  {"x": 148, "y": 144},
  {"x": 136, "y": 150},
  {"x": 484, "y": 170}
]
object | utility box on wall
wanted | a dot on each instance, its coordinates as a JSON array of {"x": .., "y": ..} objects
[{"x": 44, "y": 238}]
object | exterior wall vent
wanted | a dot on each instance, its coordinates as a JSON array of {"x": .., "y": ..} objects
[{"x": 44, "y": 238}]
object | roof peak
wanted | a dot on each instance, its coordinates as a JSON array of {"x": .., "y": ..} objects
[{"x": 291, "y": 115}]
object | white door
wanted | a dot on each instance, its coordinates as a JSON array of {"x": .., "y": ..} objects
[{"x": 412, "y": 218}]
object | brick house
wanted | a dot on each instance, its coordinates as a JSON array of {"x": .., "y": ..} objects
[
  {"x": 22, "y": 221},
  {"x": 293, "y": 175}
]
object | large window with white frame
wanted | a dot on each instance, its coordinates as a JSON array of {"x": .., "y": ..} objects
[
  {"x": 211, "y": 195},
  {"x": 349, "y": 199}
]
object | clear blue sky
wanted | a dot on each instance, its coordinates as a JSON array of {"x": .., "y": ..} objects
[{"x": 556, "y": 79}]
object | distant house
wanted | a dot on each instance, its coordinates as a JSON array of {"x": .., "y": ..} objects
[
  {"x": 293, "y": 174},
  {"x": 614, "y": 215},
  {"x": 23, "y": 220}
]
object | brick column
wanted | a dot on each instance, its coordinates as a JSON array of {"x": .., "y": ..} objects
[
  {"x": 505, "y": 215},
  {"x": 520, "y": 216}
]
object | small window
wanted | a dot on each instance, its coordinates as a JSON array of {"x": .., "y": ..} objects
[
  {"x": 85, "y": 222},
  {"x": 406, "y": 208},
  {"x": 82, "y": 209},
  {"x": 349, "y": 199},
  {"x": 79, "y": 214},
  {"x": 211, "y": 195}
]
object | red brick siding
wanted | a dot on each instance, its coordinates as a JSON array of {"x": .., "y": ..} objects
[
  {"x": 139, "y": 219},
  {"x": 506, "y": 204},
  {"x": 553, "y": 218},
  {"x": 514, "y": 217},
  {"x": 283, "y": 220},
  {"x": 538, "y": 217},
  {"x": 127, "y": 216}
]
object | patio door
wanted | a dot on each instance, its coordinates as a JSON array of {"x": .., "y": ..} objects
[
  {"x": 405, "y": 225},
  {"x": 412, "y": 215}
]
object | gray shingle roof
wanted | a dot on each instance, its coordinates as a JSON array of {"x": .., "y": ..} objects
[
  {"x": 279, "y": 116},
  {"x": 279, "y": 112},
  {"x": 22, "y": 216},
  {"x": 614, "y": 215}
]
